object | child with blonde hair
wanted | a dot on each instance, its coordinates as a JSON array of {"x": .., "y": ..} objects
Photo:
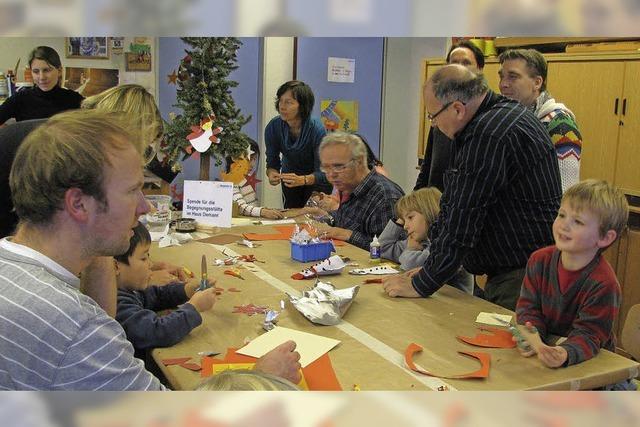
[
  {"x": 569, "y": 289},
  {"x": 416, "y": 212}
]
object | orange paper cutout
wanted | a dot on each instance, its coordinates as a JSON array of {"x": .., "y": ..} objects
[
  {"x": 483, "y": 372},
  {"x": 284, "y": 233},
  {"x": 319, "y": 374},
  {"x": 499, "y": 338},
  {"x": 175, "y": 361}
]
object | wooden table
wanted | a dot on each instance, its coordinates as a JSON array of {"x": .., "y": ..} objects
[{"x": 374, "y": 332}]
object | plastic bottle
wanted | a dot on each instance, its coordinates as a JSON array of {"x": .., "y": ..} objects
[
  {"x": 4, "y": 87},
  {"x": 374, "y": 250},
  {"x": 11, "y": 82}
]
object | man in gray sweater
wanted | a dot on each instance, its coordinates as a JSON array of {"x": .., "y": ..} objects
[{"x": 76, "y": 186}]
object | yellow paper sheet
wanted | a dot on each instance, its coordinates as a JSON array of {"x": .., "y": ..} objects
[{"x": 310, "y": 346}]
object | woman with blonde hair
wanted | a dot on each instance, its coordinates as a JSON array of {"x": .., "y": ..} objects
[
  {"x": 405, "y": 239},
  {"x": 137, "y": 101}
]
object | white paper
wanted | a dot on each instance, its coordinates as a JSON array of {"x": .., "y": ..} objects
[
  {"x": 489, "y": 318},
  {"x": 341, "y": 70},
  {"x": 208, "y": 202},
  {"x": 310, "y": 346},
  {"x": 277, "y": 221}
]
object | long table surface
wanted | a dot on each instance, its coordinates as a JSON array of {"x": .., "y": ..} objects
[{"x": 374, "y": 332}]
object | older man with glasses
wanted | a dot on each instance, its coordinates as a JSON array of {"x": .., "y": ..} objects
[
  {"x": 367, "y": 199},
  {"x": 501, "y": 191}
]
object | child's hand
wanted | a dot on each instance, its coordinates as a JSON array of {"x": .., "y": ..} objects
[
  {"x": 203, "y": 300},
  {"x": 271, "y": 213},
  {"x": 523, "y": 353},
  {"x": 273, "y": 176},
  {"x": 553, "y": 357},
  {"x": 193, "y": 284},
  {"x": 163, "y": 277}
]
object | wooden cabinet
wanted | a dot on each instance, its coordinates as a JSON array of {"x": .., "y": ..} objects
[
  {"x": 603, "y": 91},
  {"x": 628, "y": 272}
]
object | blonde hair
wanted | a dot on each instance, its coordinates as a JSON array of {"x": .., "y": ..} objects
[
  {"x": 604, "y": 200},
  {"x": 425, "y": 201},
  {"x": 246, "y": 380},
  {"x": 136, "y": 101},
  {"x": 70, "y": 150},
  {"x": 350, "y": 140}
]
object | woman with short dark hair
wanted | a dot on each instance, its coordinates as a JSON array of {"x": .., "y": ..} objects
[
  {"x": 46, "y": 97},
  {"x": 292, "y": 141}
]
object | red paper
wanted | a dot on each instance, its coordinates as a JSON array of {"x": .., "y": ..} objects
[
  {"x": 319, "y": 374},
  {"x": 175, "y": 361},
  {"x": 483, "y": 372},
  {"x": 191, "y": 366},
  {"x": 499, "y": 338}
]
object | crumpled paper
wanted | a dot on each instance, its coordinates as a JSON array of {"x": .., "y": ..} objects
[
  {"x": 324, "y": 304},
  {"x": 174, "y": 239}
]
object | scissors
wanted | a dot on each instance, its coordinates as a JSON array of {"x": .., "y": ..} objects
[
  {"x": 522, "y": 343},
  {"x": 204, "y": 283}
]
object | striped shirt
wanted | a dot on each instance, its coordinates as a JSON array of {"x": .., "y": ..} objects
[
  {"x": 502, "y": 193},
  {"x": 368, "y": 209},
  {"x": 584, "y": 312},
  {"x": 245, "y": 197},
  {"x": 52, "y": 337}
]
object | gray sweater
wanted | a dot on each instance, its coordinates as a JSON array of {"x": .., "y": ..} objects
[{"x": 55, "y": 338}]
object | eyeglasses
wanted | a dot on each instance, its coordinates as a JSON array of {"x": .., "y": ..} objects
[
  {"x": 335, "y": 168},
  {"x": 432, "y": 117}
]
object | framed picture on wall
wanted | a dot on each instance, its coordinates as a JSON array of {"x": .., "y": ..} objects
[
  {"x": 138, "y": 61},
  {"x": 87, "y": 47}
]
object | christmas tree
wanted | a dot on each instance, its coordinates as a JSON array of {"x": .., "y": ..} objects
[{"x": 210, "y": 123}]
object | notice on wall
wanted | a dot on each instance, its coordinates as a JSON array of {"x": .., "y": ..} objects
[
  {"x": 341, "y": 70},
  {"x": 209, "y": 202}
]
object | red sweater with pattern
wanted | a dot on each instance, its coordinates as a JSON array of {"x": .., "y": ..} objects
[{"x": 584, "y": 313}]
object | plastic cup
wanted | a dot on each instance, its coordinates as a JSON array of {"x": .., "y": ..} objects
[{"x": 160, "y": 213}]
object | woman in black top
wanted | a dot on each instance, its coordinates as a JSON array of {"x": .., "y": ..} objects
[{"x": 46, "y": 97}]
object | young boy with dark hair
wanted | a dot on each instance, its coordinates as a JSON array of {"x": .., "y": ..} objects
[
  {"x": 138, "y": 302},
  {"x": 569, "y": 289}
]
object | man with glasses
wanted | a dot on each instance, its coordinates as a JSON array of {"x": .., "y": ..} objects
[
  {"x": 437, "y": 153},
  {"x": 502, "y": 189},
  {"x": 367, "y": 199}
]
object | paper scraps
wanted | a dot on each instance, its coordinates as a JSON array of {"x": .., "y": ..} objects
[
  {"x": 174, "y": 239},
  {"x": 183, "y": 362},
  {"x": 498, "y": 338},
  {"x": 249, "y": 309},
  {"x": 379, "y": 270},
  {"x": 283, "y": 232},
  {"x": 234, "y": 273},
  {"x": 331, "y": 265},
  {"x": 483, "y": 372}
]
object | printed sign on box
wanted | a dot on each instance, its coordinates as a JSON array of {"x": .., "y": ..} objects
[{"x": 209, "y": 202}]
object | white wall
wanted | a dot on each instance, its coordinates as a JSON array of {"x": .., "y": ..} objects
[
  {"x": 277, "y": 69},
  {"x": 12, "y": 48},
  {"x": 401, "y": 104}
]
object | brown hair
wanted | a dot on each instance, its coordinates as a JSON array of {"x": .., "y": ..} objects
[
  {"x": 604, "y": 200},
  {"x": 425, "y": 201},
  {"x": 69, "y": 150},
  {"x": 536, "y": 64}
]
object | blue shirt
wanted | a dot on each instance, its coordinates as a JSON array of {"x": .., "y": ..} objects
[{"x": 300, "y": 155}]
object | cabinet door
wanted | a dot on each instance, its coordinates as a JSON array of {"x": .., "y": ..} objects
[
  {"x": 627, "y": 170},
  {"x": 628, "y": 273},
  {"x": 589, "y": 89}
]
